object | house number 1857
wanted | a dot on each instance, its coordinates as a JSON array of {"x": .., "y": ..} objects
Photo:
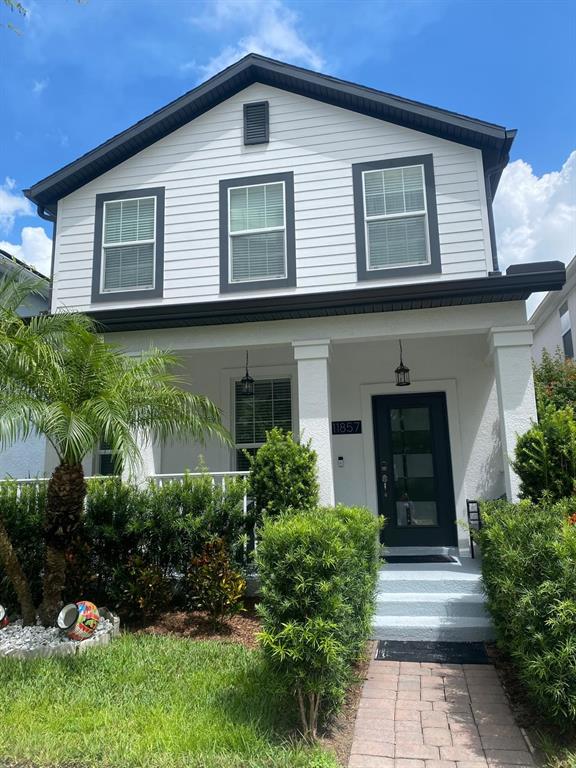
[{"x": 346, "y": 427}]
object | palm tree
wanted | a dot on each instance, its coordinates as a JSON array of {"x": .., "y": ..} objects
[{"x": 60, "y": 379}]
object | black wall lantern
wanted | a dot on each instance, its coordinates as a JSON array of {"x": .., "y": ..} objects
[
  {"x": 247, "y": 382},
  {"x": 402, "y": 372}
]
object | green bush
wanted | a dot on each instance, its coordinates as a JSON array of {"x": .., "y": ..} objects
[
  {"x": 545, "y": 458},
  {"x": 529, "y": 571},
  {"x": 555, "y": 381},
  {"x": 22, "y": 512},
  {"x": 318, "y": 570},
  {"x": 214, "y": 585},
  {"x": 283, "y": 475},
  {"x": 132, "y": 541}
]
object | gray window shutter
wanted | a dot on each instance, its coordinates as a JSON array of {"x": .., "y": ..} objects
[{"x": 256, "y": 123}]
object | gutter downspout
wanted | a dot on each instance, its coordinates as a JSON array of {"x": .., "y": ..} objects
[{"x": 52, "y": 217}]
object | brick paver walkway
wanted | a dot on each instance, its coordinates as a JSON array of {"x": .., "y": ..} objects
[{"x": 414, "y": 715}]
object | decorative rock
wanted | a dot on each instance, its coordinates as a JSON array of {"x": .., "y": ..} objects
[{"x": 21, "y": 642}]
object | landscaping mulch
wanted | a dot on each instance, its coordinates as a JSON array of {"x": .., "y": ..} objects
[{"x": 196, "y": 625}]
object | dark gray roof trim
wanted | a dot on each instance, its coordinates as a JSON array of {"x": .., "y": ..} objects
[
  {"x": 493, "y": 140},
  {"x": 518, "y": 283}
]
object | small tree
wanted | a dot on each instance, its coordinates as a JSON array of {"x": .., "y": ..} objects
[
  {"x": 283, "y": 475},
  {"x": 60, "y": 379},
  {"x": 555, "y": 382},
  {"x": 545, "y": 457}
]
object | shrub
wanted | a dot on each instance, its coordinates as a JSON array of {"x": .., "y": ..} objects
[
  {"x": 545, "y": 458},
  {"x": 283, "y": 475},
  {"x": 131, "y": 541},
  {"x": 318, "y": 570},
  {"x": 214, "y": 584},
  {"x": 529, "y": 570},
  {"x": 555, "y": 381},
  {"x": 22, "y": 513}
]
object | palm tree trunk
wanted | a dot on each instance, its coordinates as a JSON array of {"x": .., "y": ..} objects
[
  {"x": 16, "y": 577},
  {"x": 64, "y": 504}
]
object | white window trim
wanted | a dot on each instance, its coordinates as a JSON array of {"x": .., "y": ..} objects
[
  {"x": 151, "y": 241},
  {"x": 390, "y": 216},
  {"x": 262, "y": 230}
]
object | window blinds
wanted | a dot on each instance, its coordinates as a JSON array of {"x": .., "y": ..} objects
[
  {"x": 257, "y": 232},
  {"x": 270, "y": 406},
  {"x": 128, "y": 244},
  {"x": 395, "y": 211}
]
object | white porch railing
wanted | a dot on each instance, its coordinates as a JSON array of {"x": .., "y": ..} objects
[{"x": 217, "y": 477}]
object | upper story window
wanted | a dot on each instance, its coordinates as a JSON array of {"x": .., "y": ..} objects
[
  {"x": 257, "y": 233},
  {"x": 396, "y": 218},
  {"x": 128, "y": 245},
  {"x": 566, "y": 331}
]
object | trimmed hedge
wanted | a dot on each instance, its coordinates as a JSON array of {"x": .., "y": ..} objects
[
  {"x": 318, "y": 571},
  {"x": 529, "y": 570},
  {"x": 135, "y": 544}
]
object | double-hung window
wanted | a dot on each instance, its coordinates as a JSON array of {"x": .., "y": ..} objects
[
  {"x": 269, "y": 406},
  {"x": 396, "y": 220},
  {"x": 129, "y": 242},
  {"x": 257, "y": 232}
]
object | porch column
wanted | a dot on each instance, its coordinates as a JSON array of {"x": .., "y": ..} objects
[
  {"x": 314, "y": 408},
  {"x": 511, "y": 349},
  {"x": 151, "y": 463}
]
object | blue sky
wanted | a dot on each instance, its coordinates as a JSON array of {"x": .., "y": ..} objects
[{"x": 80, "y": 72}]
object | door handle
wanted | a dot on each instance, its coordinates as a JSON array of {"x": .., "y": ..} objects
[{"x": 384, "y": 478}]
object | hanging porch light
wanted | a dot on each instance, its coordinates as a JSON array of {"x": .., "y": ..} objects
[
  {"x": 402, "y": 372},
  {"x": 247, "y": 382}
]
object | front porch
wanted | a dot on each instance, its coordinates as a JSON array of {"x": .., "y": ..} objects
[{"x": 311, "y": 373}]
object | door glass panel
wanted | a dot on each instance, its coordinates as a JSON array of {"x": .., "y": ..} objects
[{"x": 414, "y": 481}]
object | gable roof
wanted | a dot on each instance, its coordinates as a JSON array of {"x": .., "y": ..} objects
[
  {"x": 9, "y": 262},
  {"x": 493, "y": 140}
]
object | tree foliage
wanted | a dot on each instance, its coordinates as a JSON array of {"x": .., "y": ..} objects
[
  {"x": 283, "y": 475},
  {"x": 60, "y": 379},
  {"x": 545, "y": 456},
  {"x": 555, "y": 381}
]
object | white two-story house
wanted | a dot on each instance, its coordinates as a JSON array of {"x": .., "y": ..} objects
[{"x": 283, "y": 231}]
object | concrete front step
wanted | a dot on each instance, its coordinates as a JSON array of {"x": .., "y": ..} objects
[
  {"x": 456, "y": 629},
  {"x": 466, "y": 604}
]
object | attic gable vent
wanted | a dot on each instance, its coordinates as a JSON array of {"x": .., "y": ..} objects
[{"x": 256, "y": 123}]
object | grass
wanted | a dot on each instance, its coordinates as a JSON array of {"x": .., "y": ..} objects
[{"x": 149, "y": 701}]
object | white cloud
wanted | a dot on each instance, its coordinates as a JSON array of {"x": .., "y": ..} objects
[
  {"x": 535, "y": 216},
  {"x": 273, "y": 31},
  {"x": 39, "y": 86},
  {"x": 12, "y": 204},
  {"x": 35, "y": 248}
]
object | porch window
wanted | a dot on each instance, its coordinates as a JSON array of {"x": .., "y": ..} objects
[
  {"x": 270, "y": 406},
  {"x": 396, "y": 219},
  {"x": 257, "y": 233},
  {"x": 104, "y": 460},
  {"x": 566, "y": 331}
]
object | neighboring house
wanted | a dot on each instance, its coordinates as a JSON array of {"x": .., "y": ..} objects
[
  {"x": 552, "y": 319},
  {"x": 25, "y": 458},
  {"x": 313, "y": 224}
]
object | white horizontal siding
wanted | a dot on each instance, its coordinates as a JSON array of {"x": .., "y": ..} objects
[{"x": 316, "y": 141}]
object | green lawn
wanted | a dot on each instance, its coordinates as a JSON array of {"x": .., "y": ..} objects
[{"x": 148, "y": 701}]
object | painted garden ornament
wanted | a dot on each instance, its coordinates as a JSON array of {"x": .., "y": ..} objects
[{"x": 79, "y": 620}]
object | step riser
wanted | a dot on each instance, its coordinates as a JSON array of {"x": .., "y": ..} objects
[
  {"x": 451, "y": 608},
  {"x": 424, "y": 587},
  {"x": 434, "y": 634}
]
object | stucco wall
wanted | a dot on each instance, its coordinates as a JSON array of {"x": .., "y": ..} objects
[{"x": 23, "y": 459}]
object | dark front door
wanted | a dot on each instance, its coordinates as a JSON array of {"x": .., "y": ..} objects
[{"x": 413, "y": 470}]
